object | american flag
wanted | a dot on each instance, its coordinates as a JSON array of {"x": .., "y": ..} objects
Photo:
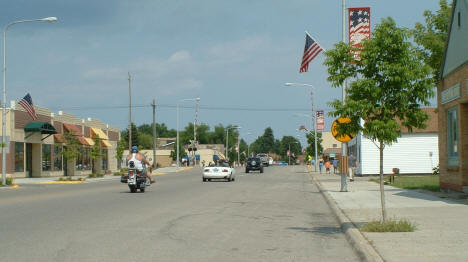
[
  {"x": 303, "y": 128},
  {"x": 27, "y": 104},
  {"x": 359, "y": 27},
  {"x": 311, "y": 50}
]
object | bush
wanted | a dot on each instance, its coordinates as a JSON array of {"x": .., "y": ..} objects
[
  {"x": 393, "y": 225},
  {"x": 436, "y": 171},
  {"x": 118, "y": 173},
  {"x": 91, "y": 175},
  {"x": 9, "y": 181},
  {"x": 99, "y": 175}
]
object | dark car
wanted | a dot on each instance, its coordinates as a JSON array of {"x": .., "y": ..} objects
[{"x": 254, "y": 163}]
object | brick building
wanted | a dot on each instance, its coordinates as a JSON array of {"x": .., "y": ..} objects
[
  {"x": 452, "y": 93},
  {"x": 34, "y": 148}
]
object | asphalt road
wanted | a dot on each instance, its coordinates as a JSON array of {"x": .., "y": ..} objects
[{"x": 275, "y": 216}]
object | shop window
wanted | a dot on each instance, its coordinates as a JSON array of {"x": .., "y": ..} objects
[
  {"x": 104, "y": 159},
  {"x": 452, "y": 136},
  {"x": 57, "y": 158},
  {"x": 86, "y": 159},
  {"x": 46, "y": 157},
  {"x": 19, "y": 157},
  {"x": 79, "y": 159}
]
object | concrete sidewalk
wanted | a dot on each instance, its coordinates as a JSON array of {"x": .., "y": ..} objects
[
  {"x": 441, "y": 233},
  {"x": 49, "y": 180}
]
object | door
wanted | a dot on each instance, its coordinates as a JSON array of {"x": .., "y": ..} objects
[{"x": 28, "y": 159}]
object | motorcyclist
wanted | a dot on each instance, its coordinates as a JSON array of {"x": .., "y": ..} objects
[{"x": 139, "y": 159}]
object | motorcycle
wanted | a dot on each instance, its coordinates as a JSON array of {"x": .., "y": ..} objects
[{"x": 135, "y": 179}]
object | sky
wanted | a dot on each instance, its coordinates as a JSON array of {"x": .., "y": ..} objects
[{"x": 234, "y": 55}]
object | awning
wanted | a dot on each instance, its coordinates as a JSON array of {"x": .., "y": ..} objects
[
  {"x": 83, "y": 141},
  {"x": 42, "y": 127},
  {"x": 105, "y": 143},
  {"x": 99, "y": 132},
  {"x": 59, "y": 138},
  {"x": 76, "y": 131},
  {"x": 89, "y": 141}
]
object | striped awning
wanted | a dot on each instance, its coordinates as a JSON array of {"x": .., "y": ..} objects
[
  {"x": 89, "y": 141},
  {"x": 59, "y": 138},
  {"x": 99, "y": 132},
  {"x": 83, "y": 141}
]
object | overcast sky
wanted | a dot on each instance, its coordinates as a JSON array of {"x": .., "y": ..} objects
[{"x": 234, "y": 55}]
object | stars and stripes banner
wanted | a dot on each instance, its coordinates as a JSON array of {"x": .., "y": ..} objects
[
  {"x": 27, "y": 104},
  {"x": 320, "y": 120},
  {"x": 359, "y": 28},
  {"x": 311, "y": 50}
]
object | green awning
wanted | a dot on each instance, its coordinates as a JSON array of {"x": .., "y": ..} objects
[{"x": 42, "y": 127}]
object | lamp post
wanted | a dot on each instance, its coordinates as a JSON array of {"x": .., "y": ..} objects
[
  {"x": 314, "y": 118},
  {"x": 227, "y": 137},
  {"x": 46, "y": 19},
  {"x": 182, "y": 100}
]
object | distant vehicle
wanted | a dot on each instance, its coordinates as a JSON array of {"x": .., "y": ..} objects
[
  {"x": 220, "y": 171},
  {"x": 270, "y": 160},
  {"x": 282, "y": 163},
  {"x": 254, "y": 163},
  {"x": 265, "y": 159}
]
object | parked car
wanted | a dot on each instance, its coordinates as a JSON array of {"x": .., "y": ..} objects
[
  {"x": 282, "y": 163},
  {"x": 264, "y": 158},
  {"x": 220, "y": 171},
  {"x": 254, "y": 163}
]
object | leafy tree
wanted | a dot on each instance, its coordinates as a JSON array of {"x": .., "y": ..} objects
[
  {"x": 121, "y": 145},
  {"x": 182, "y": 152},
  {"x": 146, "y": 129},
  {"x": 310, "y": 150},
  {"x": 391, "y": 83},
  {"x": 218, "y": 135},
  {"x": 290, "y": 142},
  {"x": 163, "y": 131},
  {"x": 432, "y": 36},
  {"x": 95, "y": 155},
  {"x": 134, "y": 135},
  {"x": 71, "y": 151},
  {"x": 145, "y": 141},
  {"x": 264, "y": 143}
]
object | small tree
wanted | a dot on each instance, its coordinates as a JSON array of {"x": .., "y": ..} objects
[
  {"x": 311, "y": 140},
  {"x": 392, "y": 84},
  {"x": 182, "y": 152},
  {"x": 95, "y": 155},
  {"x": 71, "y": 151},
  {"x": 121, "y": 145}
]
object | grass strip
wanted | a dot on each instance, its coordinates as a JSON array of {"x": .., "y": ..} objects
[
  {"x": 430, "y": 183},
  {"x": 393, "y": 225}
]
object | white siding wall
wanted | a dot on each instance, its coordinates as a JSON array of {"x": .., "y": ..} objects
[{"x": 410, "y": 154}]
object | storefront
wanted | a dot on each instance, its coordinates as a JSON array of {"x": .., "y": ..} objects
[
  {"x": 36, "y": 148},
  {"x": 452, "y": 94}
]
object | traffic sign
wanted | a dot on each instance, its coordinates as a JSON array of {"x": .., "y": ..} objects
[{"x": 345, "y": 137}]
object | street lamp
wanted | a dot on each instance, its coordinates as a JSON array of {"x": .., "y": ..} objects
[
  {"x": 46, "y": 19},
  {"x": 182, "y": 100},
  {"x": 314, "y": 123},
  {"x": 227, "y": 137}
]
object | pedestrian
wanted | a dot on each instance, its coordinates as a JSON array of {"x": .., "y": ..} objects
[
  {"x": 335, "y": 165},
  {"x": 327, "y": 166},
  {"x": 352, "y": 166},
  {"x": 321, "y": 165},
  {"x": 203, "y": 163}
]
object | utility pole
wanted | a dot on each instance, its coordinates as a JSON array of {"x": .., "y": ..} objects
[
  {"x": 154, "y": 134},
  {"x": 130, "y": 114},
  {"x": 344, "y": 145},
  {"x": 195, "y": 133},
  {"x": 314, "y": 117}
]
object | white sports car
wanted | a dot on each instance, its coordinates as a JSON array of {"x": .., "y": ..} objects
[{"x": 221, "y": 171}]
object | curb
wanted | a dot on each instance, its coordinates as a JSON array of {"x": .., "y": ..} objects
[{"x": 360, "y": 244}]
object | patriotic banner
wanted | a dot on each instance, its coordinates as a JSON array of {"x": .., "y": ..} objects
[
  {"x": 359, "y": 28},
  {"x": 27, "y": 104},
  {"x": 320, "y": 120},
  {"x": 311, "y": 50}
]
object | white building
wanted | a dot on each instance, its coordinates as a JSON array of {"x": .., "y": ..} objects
[{"x": 413, "y": 153}]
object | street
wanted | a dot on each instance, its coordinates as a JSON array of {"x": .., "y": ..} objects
[{"x": 276, "y": 216}]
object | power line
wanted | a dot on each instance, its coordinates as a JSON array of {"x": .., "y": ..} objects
[{"x": 219, "y": 108}]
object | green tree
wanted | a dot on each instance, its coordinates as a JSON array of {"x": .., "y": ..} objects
[
  {"x": 264, "y": 143},
  {"x": 432, "y": 36},
  {"x": 145, "y": 141},
  {"x": 310, "y": 150},
  {"x": 218, "y": 135},
  {"x": 71, "y": 151},
  {"x": 95, "y": 155},
  {"x": 121, "y": 145},
  {"x": 182, "y": 152},
  {"x": 134, "y": 135},
  {"x": 290, "y": 142},
  {"x": 391, "y": 84}
]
